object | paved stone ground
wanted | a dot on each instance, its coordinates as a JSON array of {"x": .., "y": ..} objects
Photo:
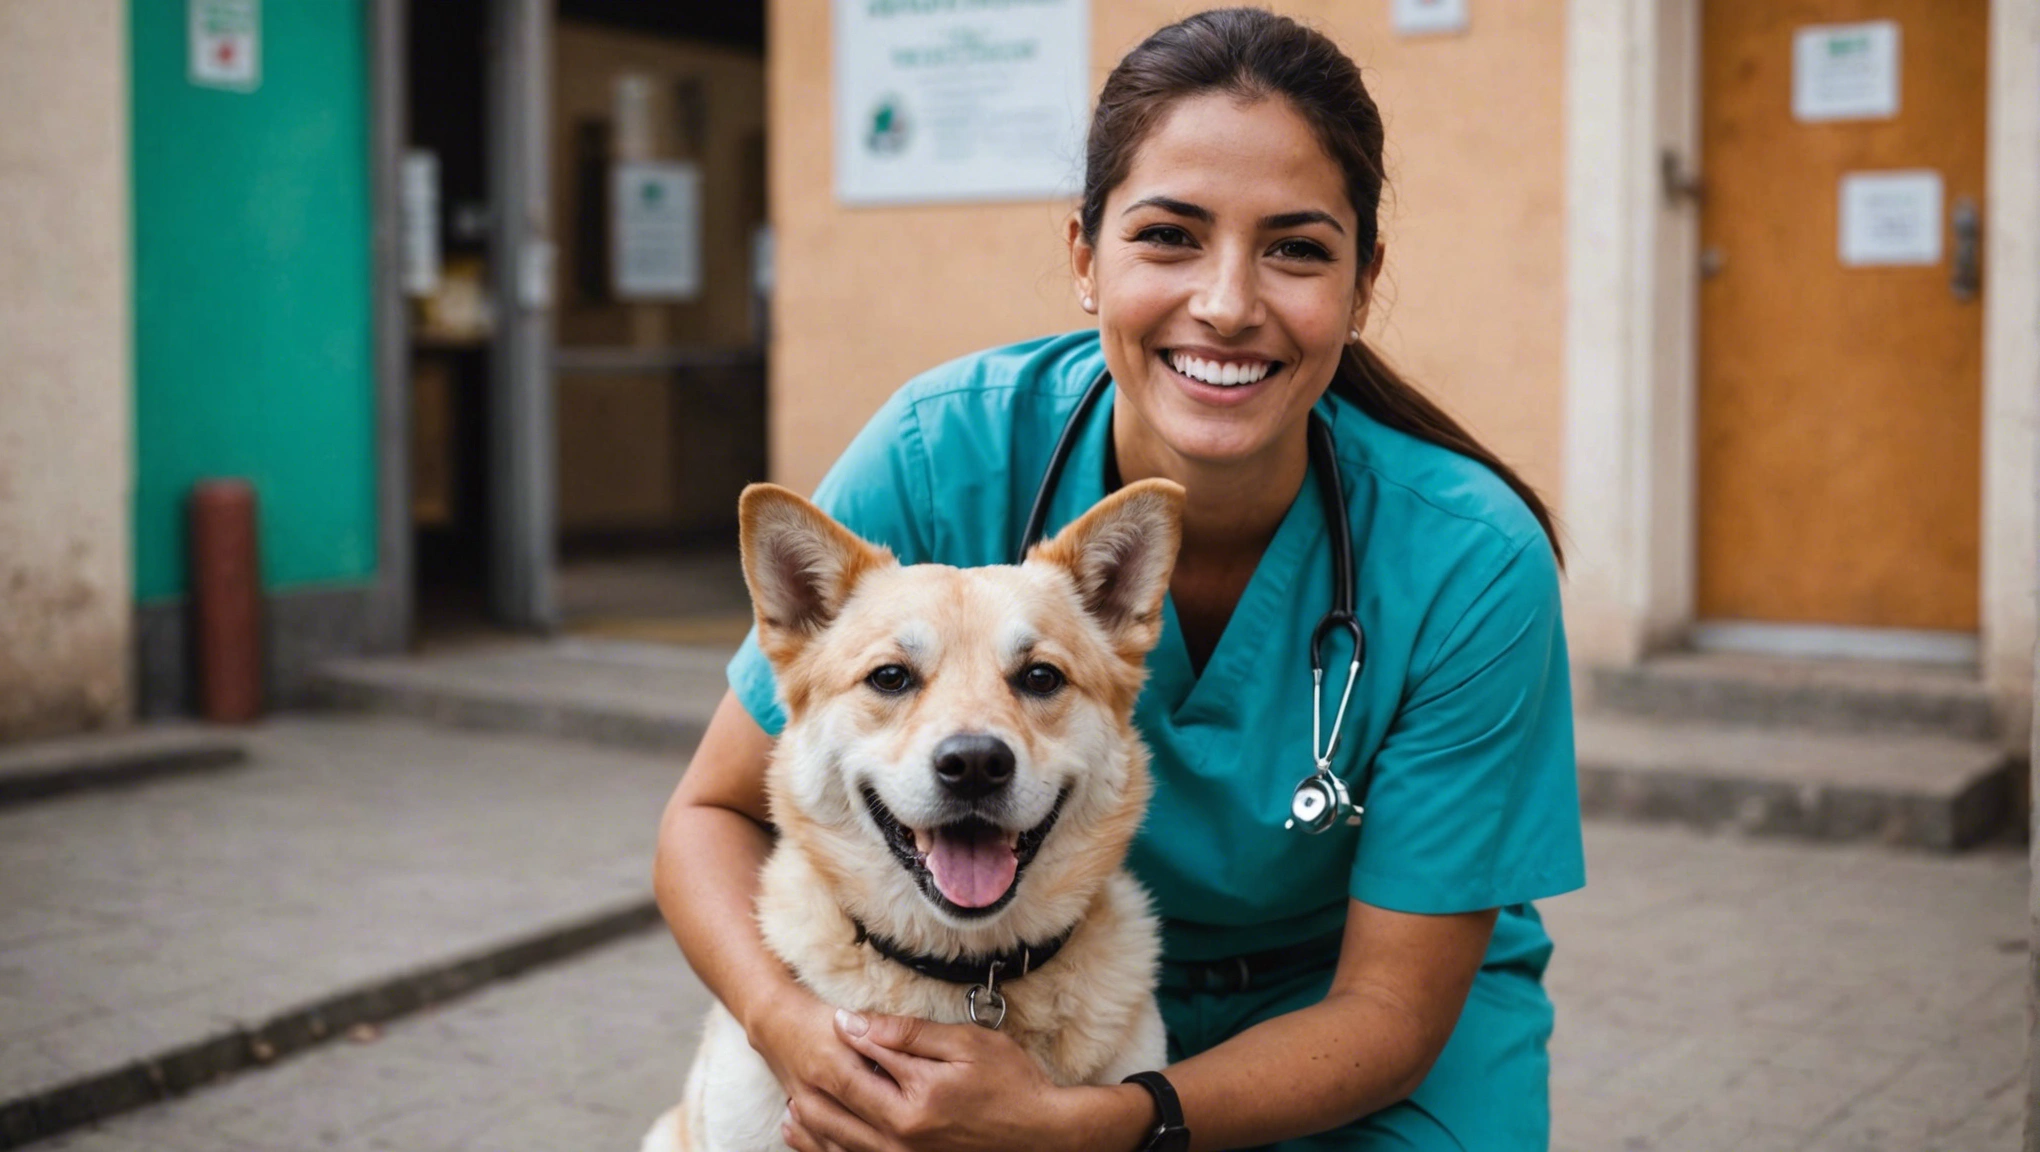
[
  {"x": 1712, "y": 994},
  {"x": 346, "y": 851},
  {"x": 582, "y": 1056},
  {"x": 1716, "y": 993}
]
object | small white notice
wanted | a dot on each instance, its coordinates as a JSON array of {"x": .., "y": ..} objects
[
  {"x": 1429, "y": 17},
  {"x": 1891, "y": 218},
  {"x": 655, "y": 240},
  {"x": 418, "y": 177},
  {"x": 226, "y": 43},
  {"x": 960, "y": 99},
  {"x": 1845, "y": 71}
]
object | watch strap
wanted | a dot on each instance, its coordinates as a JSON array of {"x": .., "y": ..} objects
[{"x": 1170, "y": 1134}]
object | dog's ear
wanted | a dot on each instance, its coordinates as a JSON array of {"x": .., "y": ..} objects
[
  {"x": 1121, "y": 554},
  {"x": 800, "y": 565}
]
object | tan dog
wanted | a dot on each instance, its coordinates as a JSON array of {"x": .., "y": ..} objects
[{"x": 954, "y": 793}]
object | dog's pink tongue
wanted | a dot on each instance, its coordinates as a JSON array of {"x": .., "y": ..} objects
[{"x": 972, "y": 871}]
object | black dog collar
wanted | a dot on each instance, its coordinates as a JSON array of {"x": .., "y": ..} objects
[{"x": 1000, "y": 966}]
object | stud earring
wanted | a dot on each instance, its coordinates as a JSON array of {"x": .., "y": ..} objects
[
  {"x": 1352, "y": 336},
  {"x": 1088, "y": 304}
]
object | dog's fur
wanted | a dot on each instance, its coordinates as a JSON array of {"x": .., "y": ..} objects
[{"x": 831, "y": 610}]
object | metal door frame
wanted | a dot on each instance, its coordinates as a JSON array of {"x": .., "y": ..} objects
[
  {"x": 523, "y": 509},
  {"x": 521, "y": 516},
  {"x": 392, "y": 599}
]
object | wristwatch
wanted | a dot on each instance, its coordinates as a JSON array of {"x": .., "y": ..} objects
[{"x": 1169, "y": 1135}]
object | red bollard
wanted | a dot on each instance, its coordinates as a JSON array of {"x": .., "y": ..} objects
[{"x": 226, "y": 600}]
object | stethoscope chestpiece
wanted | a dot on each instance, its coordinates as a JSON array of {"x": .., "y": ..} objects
[{"x": 1320, "y": 802}]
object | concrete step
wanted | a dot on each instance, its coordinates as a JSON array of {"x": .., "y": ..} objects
[
  {"x": 46, "y": 768},
  {"x": 1910, "y": 790},
  {"x": 1825, "y": 695},
  {"x": 624, "y": 694},
  {"x": 355, "y": 870}
]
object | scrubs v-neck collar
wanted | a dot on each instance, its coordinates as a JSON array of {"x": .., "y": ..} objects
[{"x": 1260, "y": 615}]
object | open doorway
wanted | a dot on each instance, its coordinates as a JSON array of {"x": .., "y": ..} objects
[
  {"x": 586, "y": 377},
  {"x": 658, "y": 169},
  {"x": 447, "y": 210}
]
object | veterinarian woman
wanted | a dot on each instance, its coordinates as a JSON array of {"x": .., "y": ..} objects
[{"x": 1368, "y": 987}]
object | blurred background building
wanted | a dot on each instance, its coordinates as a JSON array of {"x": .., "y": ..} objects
[
  {"x": 412, "y": 268},
  {"x": 496, "y": 305},
  {"x": 361, "y": 255}
]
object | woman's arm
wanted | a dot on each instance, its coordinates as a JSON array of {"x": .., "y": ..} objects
[
  {"x": 713, "y": 839},
  {"x": 1395, "y": 999},
  {"x": 1393, "y": 1004}
]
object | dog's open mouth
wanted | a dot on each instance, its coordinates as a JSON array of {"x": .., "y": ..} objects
[{"x": 969, "y": 868}]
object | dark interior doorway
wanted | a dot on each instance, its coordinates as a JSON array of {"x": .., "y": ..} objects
[
  {"x": 735, "y": 23},
  {"x": 658, "y": 398},
  {"x": 450, "y": 358},
  {"x": 659, "y": 386}
]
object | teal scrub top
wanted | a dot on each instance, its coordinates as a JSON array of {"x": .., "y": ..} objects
[{"x": 1463, "y": 705}]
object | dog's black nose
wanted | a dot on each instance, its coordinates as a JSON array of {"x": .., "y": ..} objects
[{"x": 972, "y": 764}]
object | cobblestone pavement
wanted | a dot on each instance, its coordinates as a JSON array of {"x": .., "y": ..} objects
[
  {"x": 1712, "y": 994},
  {"x": 347, "y": 851},
  {"x": 1716, "y": 993},
  {"x": 582, "y": 1056}
]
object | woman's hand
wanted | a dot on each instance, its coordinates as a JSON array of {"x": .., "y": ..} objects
[
  {"x": 930, "y": 1087},
  {"x": 798, "y": 1040}
]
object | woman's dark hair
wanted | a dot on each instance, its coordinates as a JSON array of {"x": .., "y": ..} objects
[{"x": 1251, "y": 54}]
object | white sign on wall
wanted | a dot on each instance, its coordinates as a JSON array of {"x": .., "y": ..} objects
[
  {"x": 1424, "y": 17},
  {"x": 655, "y": 238},
  {"x": 226, "y": 43},
  {"x": 1845, "y": 71},
  {"x": 1891, "y": 218},
  {"x": 960, "y": 99}
]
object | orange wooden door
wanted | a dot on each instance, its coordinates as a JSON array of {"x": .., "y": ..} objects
[{"x": 1840, "y": 407}]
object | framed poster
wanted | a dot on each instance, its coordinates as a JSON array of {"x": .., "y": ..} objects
[{"x": 940, "y": 100}]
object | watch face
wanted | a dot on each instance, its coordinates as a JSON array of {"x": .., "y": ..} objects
[{"x": 1170, "y": 1140}]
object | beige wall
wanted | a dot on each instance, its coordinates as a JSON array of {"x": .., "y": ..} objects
[
  {"x": 65, "y": 470},
  {"x": 1473, "y": 308}
]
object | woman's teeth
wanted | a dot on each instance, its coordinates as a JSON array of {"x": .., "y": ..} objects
[{"x": 1225, "y": 375}]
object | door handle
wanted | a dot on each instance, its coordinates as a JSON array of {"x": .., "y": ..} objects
[
  {"x": 1681, "y": 185},
  {"x": 1967, "y": 279}
]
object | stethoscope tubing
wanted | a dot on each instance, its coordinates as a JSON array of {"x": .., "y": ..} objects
[{"x": 1343, "y": 615}]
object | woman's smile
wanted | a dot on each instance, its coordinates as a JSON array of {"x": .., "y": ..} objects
[{"x": 1218, "y": 378}]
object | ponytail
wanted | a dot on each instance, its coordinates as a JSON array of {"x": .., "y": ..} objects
[{"x": 1365, "y": 380}]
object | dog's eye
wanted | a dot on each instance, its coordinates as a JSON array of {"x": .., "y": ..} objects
[
  {"x": 891, "y": 679},
  {"x": 1041, "y": 679}
]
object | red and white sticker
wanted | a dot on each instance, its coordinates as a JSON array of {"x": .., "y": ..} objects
[{"x": 226, "y": 44}]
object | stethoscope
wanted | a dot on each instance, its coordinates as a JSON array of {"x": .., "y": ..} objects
[{"x": 1321, "y": 799}]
